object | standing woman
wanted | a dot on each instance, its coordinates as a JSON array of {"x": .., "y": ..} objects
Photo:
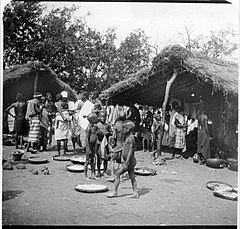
[
  {"x": 180, "y": 142},
  {"x": 20, "y": 123},
  {"x": 62, "y": 123},
  {"x": 33, "y": 117}
]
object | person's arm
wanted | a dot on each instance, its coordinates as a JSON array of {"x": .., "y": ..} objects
[
  {"x": 9, "y": 108},
  {"x": 59, "y": 110},
  {"x": 88, "y": 132}
]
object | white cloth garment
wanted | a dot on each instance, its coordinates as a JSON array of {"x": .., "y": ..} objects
[{"x": 85, "y": 111}]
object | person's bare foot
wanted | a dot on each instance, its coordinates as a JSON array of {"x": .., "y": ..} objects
[
  {"x": 111, "y": 179},
  {"x": 98, "y": 174},
  {"x": 112, "y": 194},
  {"x": 94, "y": 178},
  {"x": 104, "y": 174},
  {"x": 135, "y": 195}
]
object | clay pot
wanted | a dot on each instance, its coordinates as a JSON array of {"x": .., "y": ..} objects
[
  {"x": 17, "y": 154},
  {"x": 214, "y": 163},
  {"x": 233, "y": 164}
]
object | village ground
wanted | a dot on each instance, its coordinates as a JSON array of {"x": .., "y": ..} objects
[{"x": 176, "y": 195}]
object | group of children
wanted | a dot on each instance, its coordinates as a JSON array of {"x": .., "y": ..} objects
[{"x": 104, "y": 143}]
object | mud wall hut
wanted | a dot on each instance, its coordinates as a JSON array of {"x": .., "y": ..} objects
[
  {"x": 200, "y": 80},
  {"x": 29, "y": 78}
]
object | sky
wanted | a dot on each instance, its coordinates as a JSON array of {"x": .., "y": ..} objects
[{"x": 162, "y": 22}]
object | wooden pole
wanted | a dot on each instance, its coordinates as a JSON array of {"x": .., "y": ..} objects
[
  {"x": 169, "y": 83},
  {"x": 35, "y": 83}
]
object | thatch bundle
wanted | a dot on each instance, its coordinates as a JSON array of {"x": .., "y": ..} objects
[
  {"x": 221, "y": 73},
  {"x": 131, "y": 81},
  {"x": 171, "y": 57}
]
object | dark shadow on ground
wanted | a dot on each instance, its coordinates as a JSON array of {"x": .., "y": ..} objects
[
  {"x": 143, "y": 191},
  {"x": 10, "y": 194}
]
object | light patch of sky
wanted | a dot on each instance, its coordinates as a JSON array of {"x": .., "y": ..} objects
[{"x": 162, "y": 22}]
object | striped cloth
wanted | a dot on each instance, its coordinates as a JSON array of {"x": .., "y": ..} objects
[
  {"x": 34, "y": 129},
  {"x": 179, "y": 138}
]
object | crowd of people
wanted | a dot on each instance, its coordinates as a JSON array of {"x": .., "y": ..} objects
[{"x": 106, "y": 133}]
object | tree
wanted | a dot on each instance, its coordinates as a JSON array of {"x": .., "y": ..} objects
[
  {"x": 81, "y": 56},
  {"x": 222, "y": 43},
  {"x": 132, "y": 55},
  {"x": 21, "y": 24}
]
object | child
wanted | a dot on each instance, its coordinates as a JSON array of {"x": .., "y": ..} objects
[
  {"x": 91, "y": 145},
  {"x": 103, "y": 132},
  {"x": 62, "y": 123},
  {"x": 129, "y": 160},
  {"x": 146, "y": 130},
  {"x": 157, "y": 124},
  {"x": 118, "y": 138}
]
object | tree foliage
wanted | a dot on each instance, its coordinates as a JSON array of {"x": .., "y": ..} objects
[
  {"x": 80, "y": 55},
  {"x": 221, "y": 43},
  {"x": 22, "y": 23}
]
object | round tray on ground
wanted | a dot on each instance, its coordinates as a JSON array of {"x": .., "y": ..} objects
[
  {"x": 217, "y": 185},
  {"x": 38, "y": 160},
  {"x": 78, "y": 159},
  {"x": 229, "y": 195},
  {"x": 91, "y": 188},
  {"x": 75, "y": 168},
  {"x": 145, "y": 171},
  {"x": 61, "y": 158}
]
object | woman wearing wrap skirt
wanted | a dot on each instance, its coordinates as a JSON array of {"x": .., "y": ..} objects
[{"x": 33, "y": 117}]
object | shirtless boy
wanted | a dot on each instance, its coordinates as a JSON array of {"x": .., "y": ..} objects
[
  {"x": 129, "y": 161},
  {"x": 103, "y": 132},
  {"x": 91, "y": 145}
]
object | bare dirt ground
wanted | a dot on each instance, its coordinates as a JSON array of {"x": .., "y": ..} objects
[{"x": 176, "y": 195}]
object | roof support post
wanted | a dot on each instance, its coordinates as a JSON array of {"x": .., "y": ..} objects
[
  {"x": 166, "y": 96},
  {"x": 35, "y": 83}
]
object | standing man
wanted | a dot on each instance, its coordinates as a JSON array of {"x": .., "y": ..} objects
[
  {"x": 20, "y": 124},
  {"x": 86, "y": 109},
  {"x": 203, "y": 146}
]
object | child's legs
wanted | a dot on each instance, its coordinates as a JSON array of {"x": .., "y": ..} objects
[
  {"x": 65, "y": 145},
  {"x": 117, "y": 178},
  {"x": 92, "y": 163},
  {"x": 79, "y": 141},
  {"x": 58, "y": 146},
  {"x": 105, "y": 165},
  {"x": 86, "y": 164},
  {"x": 133, "y": 179},
  {"x": 16, "y": 140},
  {"x": 74, "y": 140},
  {"x": 143, "y": 141}
]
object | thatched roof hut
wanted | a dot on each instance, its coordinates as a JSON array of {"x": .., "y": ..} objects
[
  {"x": 29, "y": 77},
  {"x": 201, "y": 79}
]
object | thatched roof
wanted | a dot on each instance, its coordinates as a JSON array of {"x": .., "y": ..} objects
[
  {"x": 198, "y": 74},
  {"x": 21, "y": 79}
]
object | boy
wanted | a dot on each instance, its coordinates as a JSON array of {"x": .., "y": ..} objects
[
  {"x": 129, "y": 160},
  {"x": 157, "y": 124},
  {"x": 103, "y": 132},
  {"x": 91, "y": 145}
]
